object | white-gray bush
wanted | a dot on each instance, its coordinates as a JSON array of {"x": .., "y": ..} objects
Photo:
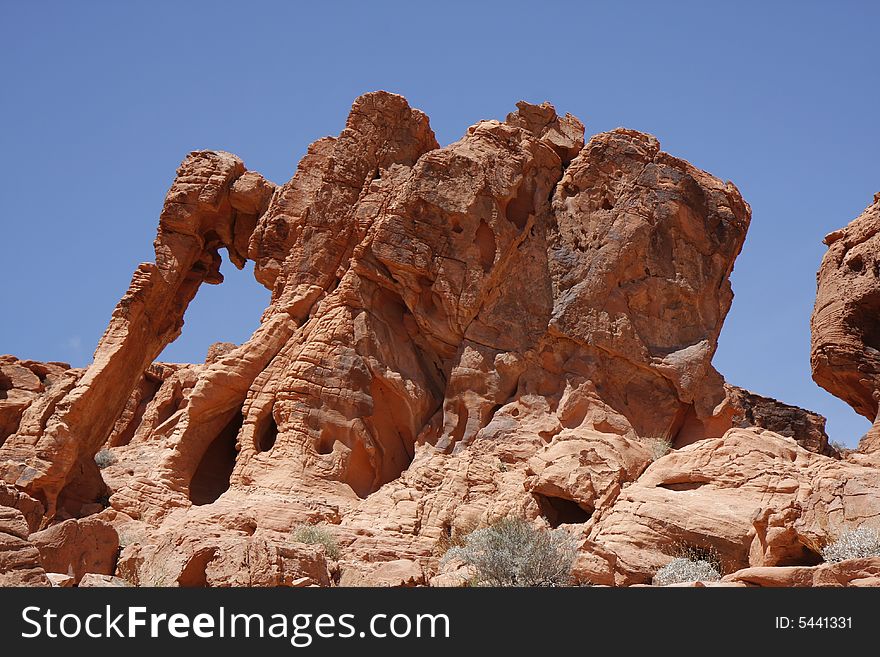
[
  {"x": 659, "y": 447},
  {"x": 514, "y": 553},
  {"x": 857, "y": 543},
  {"x": 104, "y": 458},
  {"x": 687, "y": 569},
  {"x": 316, "y": 536}
]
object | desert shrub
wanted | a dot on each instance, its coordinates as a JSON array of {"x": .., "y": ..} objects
[
  {"x": 316, "y": 536},
  {"x": 104, "y": 458},
  {"x": 857, "y": 543},
  {"x": 682, "y": 569},
  {"x": 454, "y": 536},
  {"x": 658, "y": 447},
  {"x": 839, "y": 447},
  {"x": 514, "y": 553},
  {"x": 690, "y": 564}
]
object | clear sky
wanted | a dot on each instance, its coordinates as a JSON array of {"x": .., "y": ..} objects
[{"x": 102, "y": 100}]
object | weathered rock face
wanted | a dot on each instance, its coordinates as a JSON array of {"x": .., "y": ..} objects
[
  {"x": 845, "y": 353},
  {"x": 24, "y": 381},
  {"x": 806, "y": 427},
  {"x": 19, "y": 560},
  {"x": 207, "y": 208},
  {"x": 76, "y": 547},
  {"x": 853, "y": 572},
  {"x": 510, "y": 324},
  {"x": 754, "y": 497}
]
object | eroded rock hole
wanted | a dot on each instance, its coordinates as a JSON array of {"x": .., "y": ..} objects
[
  {"x": 195, "y": 573},
  {"x": 485, "y": 241},
  {"x": 683, "y": 485},
  {"x": 607, "y": 205},
  {"x": 801, "y": 556},
  {"x": 360, "y": 471},
  {"x": 393, "y": 427},
  {"x": 325, "y": 444},
  {"x": 865, "y": 320},
  {"x": 558, "y": 511},
  {"x": 522, "y": 205},
  {"x": 856, "y": 263},
  {"x": 211, "y": 478},
  {"x": 266, "y": 434}
]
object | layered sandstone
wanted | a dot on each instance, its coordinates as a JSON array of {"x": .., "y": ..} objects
[
  {"x": 845, "y": 353},
  {"x": 510, "y": 324}
]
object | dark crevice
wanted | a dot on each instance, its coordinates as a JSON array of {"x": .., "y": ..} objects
[
  {"x": 802, "y": 556},
  {"x": 266, "y": 434},
  {"x": 485, "y": 240},
  {"x": 461, "y": 424},
  {"x": 194, "y": 574},
  {"x": 683, "y": 485},
  {"x": 325, "y": 444},
  {"x": 149, "y": 387},
  {"x": 523, "y": 204},
  {"x": 211, "y": 478},
  {"x": 558, "y": 511},
  {"x": 864, "y": 319}
]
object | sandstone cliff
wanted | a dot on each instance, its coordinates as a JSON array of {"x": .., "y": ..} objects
[{"x": 510, "y": 324}]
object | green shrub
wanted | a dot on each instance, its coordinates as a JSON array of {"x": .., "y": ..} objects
[
  {"x": 316, "y": 536},
  {"x": 514, "y": 553},
  {"x": 857, "y": 543}
]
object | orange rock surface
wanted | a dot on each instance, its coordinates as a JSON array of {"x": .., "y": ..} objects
[{"x": 510, "y": 324}]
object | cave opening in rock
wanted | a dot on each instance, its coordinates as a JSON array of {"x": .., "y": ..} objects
[
  {"x": 801, "y": 555},
  {"x": 485, "y": 241},
  {"x": 211, "y": 478},
  {"x": 195, "y": 573},
  {"x": 558, "y": 511},
  {"x": 523, "y": 204},
  {"x": 267, "y": 434}
]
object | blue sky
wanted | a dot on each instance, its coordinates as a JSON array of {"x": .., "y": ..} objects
[{"x": 101, "y": 101}]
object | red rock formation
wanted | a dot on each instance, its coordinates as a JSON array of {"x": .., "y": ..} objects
[
  {"x": 853, "y": 572},
  {"x": 845, "y": 353},
  {"x": 511, "y": 324},
  {"x": 19, "y": 559},
  {"x": 207, "y": 208},
  {"x": 76, "y": 547}
]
